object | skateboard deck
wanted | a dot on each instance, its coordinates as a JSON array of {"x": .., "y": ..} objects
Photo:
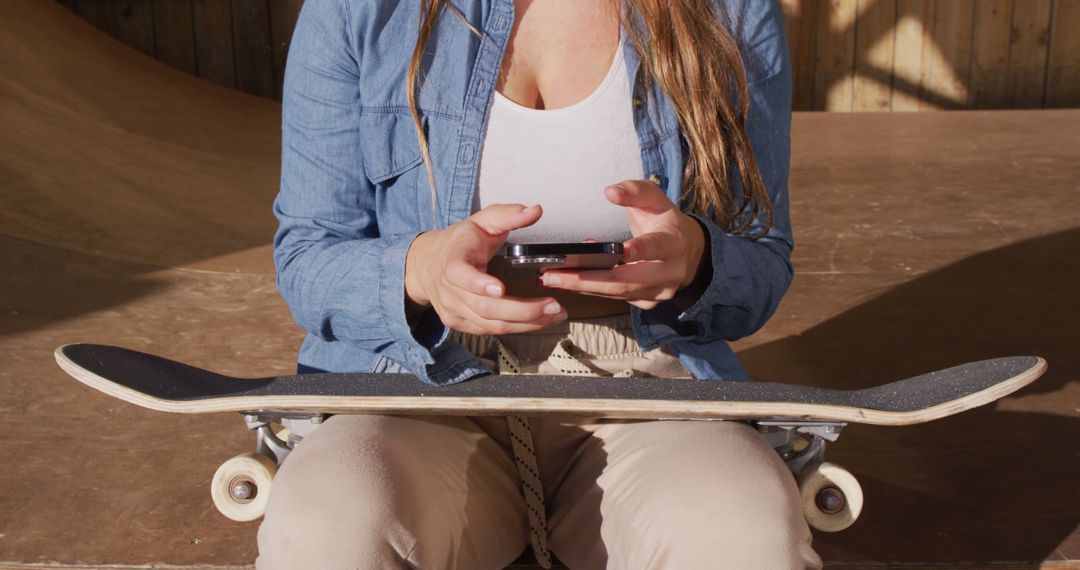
[
  {"x": 797, "y": 421},
  {"x": 165, "y": 385}
]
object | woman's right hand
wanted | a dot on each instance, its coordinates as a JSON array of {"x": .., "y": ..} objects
[{"x": 446, "y": 269}]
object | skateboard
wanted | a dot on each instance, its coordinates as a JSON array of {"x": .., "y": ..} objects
[{"x": 796, "y": 420}]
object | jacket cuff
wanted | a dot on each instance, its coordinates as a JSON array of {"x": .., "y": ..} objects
[
  {"x": 701, "y": 309},
  {"x": 420, "y": 336},
  {"x": 666, "y": 322}
]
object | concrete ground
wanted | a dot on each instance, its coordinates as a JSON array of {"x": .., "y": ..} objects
[{"x": 135, "y": 210}]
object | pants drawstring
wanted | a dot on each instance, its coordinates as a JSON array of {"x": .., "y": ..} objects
[{"x": 564, "y": 359}]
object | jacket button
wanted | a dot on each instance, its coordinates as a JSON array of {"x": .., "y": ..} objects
[
  {"x": 655, "y": 178},
  {"x": 637, "y": 102}
]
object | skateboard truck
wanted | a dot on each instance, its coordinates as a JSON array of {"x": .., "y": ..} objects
[
  {"x": 832, "y": 498},
  {"x": 241, "y": 485},
  {"x": 274, "y": 446},
  {"x": 797, "y": 451}
]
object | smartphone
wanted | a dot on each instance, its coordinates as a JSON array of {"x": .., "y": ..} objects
[{"x": 584, "y": 255}]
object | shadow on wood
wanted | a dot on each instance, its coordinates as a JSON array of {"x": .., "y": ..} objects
[{"x": 995, "y": 484}]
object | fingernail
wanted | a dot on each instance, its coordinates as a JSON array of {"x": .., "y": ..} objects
[
  {"x": 559, "y": 318},
  {"x": 551, "y": 279},
  {"x": 493, "y": 290},
  {"x": 551, "y": 308},
  {"x": 617, "y": 189},
  {"x": 529, "y": 210}
]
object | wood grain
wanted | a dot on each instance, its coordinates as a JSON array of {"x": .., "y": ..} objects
[
  {"x": 834, "y": 74},
  {"x": 174, "y": 34},
  {"x": 909, "y": 67},
  {"x": 801, "y": 22},
  {"x": 283, "y": 15},
  {"x": 251, "y": 40},
  {"x": 1063, "y": 75},
  {"x": 134, "y": 24},
  {"x": 1029, "y": 52},
  {"x": 99, "y": 13},
  {"x": 992, "y": 35},
  {"x": 947, "y": 55},
  {"x": 214, "y": 52},
  {"x": 875, "y": 48}
]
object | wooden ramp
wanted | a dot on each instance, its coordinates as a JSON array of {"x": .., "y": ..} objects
[
  {"x": 108, "y": 152},
  {"x": 136, "y": 211}
]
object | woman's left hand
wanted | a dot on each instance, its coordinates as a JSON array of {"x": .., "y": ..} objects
[{"x": 664, "y": 255}]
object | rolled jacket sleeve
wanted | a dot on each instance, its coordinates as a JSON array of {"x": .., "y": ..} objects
[
  {"x": 749, "y": 276},
  {"x": 341, "y": 278}
]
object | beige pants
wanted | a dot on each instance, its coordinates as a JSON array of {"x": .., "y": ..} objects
[{"x": 372, "y": 491}]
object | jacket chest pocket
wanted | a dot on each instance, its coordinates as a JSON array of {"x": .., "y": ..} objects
[
  {"x": 389, "y": 145},
  {"x": 394, "y": 165}
]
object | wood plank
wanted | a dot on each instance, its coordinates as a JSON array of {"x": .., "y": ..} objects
[
  {"x": 283, "y": 15},
  {"x": 1063, "y": 77},
  {"x": 1028, "y": 54},
  {"x": 912, "y": 17},
  {"x": 947, "y": 56},
  {"x": 174, "y": 34},
  {"x": 992, "y": 36},
  {"x": 835, "y": 62},
  {"x": 69, "y": 4},
  {"x": 801, "y": 22},
  {"x": 97, "y": 12},
  {"x": 135, "y": 24},
  {"x": 875, "y": 45},
  {"x": 251, "y": 40},
  {"x": 214, "y": 57}
]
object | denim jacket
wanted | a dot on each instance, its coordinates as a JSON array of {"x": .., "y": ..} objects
[{"x": 354, "y": 192}]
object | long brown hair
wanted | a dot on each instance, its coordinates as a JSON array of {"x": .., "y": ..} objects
[{"x": 696, "y": 61}]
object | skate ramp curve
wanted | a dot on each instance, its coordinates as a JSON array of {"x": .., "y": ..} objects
[{"x": 108, "y": 152}]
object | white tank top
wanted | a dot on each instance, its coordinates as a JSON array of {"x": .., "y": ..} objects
[{"x": 562, "y": 159}]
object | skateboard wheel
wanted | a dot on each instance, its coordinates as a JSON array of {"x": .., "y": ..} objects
[
  {"x": 241, "y": 486},
  {"x": 831, "y": 497}
]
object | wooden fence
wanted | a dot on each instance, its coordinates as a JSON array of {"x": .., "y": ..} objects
[
  {"x": 849, "y": 55},
  {"x": 908, "y": 55}
]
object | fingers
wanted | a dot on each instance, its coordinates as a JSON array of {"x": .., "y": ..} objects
[
  {"x": 653, "y": 245},
  {"x": 488, "y": 316},
  {"x": 465, "y": 276},
  {"x": 480, "y": 326},
  {"x": 479, "y": 297},
  {"x": 514, "y": 309},
  {"x": 484, "y": 294},
  {"x": 622, "y": 282},
  {"x": 639, "y": 194},
  {"x": 471, "y": 300},
  {"x": 492, "y": 224},
  {"x": 498, "y": 219}
]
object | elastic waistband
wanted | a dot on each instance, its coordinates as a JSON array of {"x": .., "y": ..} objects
[{"x": 597, "y": 336}]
